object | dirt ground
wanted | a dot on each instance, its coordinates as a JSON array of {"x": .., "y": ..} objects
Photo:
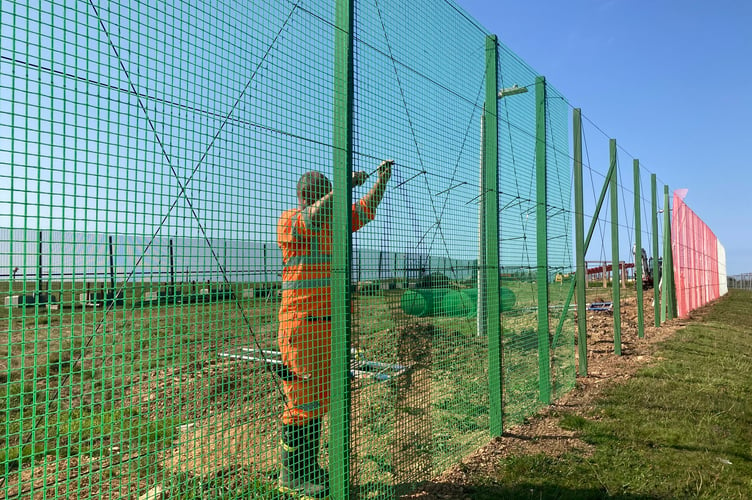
[{"x": 541, "y": 433}]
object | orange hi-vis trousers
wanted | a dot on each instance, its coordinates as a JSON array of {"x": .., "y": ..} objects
[{"x": 306, "y": 347}]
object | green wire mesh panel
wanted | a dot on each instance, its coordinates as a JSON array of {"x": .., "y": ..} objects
[
  {"x": 419, "y": 99},
  {"x": 148, "y": 153},
  {"x": 561, "y": 271},
  {"x": 518, "y": 241},
  {"x": 517, "y": 220}
]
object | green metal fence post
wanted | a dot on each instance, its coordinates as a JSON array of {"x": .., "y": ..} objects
[
  {"x": 665, "y": 269},
  {"x": 656, "y": 270},
  {"x": 339, "y": 429},
  {"x": 490, "y": 190},
  {"x": 638, "y": 251},
  {"x": 544, "y": 357},
  {"x": 482, "y": 312},
  {"x": 579, "y": 224},
  {"x": 615, "y": 268},
  {"x": 593, "y": 223}
]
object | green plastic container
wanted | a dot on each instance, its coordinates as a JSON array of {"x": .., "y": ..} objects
[
  {"x": 465, "y": 302},
  {"x": 423, "y": 302},
  {"x": 460, "y": 303}
]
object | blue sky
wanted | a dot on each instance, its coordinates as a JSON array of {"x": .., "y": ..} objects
[{"x": 668, "y": 79}]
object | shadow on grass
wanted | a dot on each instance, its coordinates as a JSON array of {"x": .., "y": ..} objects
[{"x": 522, "y": 491}]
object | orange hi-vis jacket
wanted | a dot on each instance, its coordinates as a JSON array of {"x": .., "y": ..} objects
[{"x": 305, "y": 314}]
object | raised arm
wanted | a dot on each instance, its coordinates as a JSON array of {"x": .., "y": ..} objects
[
  {"x": 319, "y": 212},
  {"x": 376, "y": 193},
  {"x": 319, "y": 189},
  {"x": 316, "y": 195}
]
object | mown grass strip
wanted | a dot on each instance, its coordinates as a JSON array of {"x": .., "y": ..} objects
[{"x": 681, "y": 428}]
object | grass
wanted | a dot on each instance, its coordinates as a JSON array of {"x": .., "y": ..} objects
[
  {"x": 459, "y": 387},
  {"x": 76, "y": 432},
  {"x": 681, "y": 428},
  {"x": 186, "y": 487}
]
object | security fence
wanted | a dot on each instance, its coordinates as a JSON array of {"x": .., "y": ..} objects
[
  {"x": 162, "y": 266},
  {"x": 740, "y": 281}
]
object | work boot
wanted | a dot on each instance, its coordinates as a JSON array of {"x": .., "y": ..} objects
[
  {"x": 300, "y": 474},
  {"x": 311, "y": 452}
]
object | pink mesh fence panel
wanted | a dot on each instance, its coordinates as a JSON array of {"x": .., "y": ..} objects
[{"x": 695, "y": 252}]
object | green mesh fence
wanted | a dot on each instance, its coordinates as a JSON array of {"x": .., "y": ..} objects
[
  {"x": 166, "y": 326},
  {"x": 560, "y": 245},
  {"x": 623, "y": 263},
  {"x": 415, "y": 108},
  {"x": 519, "y": 241}
]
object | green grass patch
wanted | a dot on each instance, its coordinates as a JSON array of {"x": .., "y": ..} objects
[
  {"x": 186, "y": 487},
  {"x": 681, "y": 428},
  {"x": 82, "y": 432}
]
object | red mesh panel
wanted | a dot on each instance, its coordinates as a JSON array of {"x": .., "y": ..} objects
[{"x": 695, "y": 252}]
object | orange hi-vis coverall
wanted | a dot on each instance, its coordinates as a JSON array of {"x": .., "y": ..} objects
[{"x": 305, "y": 329}]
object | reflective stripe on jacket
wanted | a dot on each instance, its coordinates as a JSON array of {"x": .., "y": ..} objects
[{"x": 306, "y": 256}]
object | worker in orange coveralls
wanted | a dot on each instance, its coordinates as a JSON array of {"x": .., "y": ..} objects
[{"x": 305, "y": 237}]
